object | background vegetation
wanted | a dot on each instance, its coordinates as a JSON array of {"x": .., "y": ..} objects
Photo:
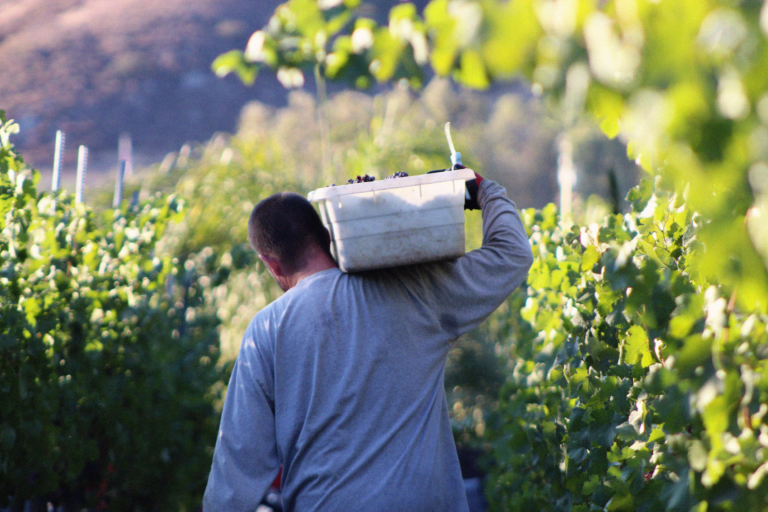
[{"x": 108, "y": 353}]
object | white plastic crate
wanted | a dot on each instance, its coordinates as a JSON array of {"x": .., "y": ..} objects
[{"x": 395, "y": 222}]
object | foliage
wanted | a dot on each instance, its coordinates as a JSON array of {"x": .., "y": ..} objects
[
  {"x": 108, "y": 355},
  {"x": 682, "y": 83},
  {"x": 638, "y": 384}
]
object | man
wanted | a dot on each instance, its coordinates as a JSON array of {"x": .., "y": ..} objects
[{"x": 340, "y": 380}]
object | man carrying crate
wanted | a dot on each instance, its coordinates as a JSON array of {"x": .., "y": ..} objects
[{"x": 340, "y": 380}]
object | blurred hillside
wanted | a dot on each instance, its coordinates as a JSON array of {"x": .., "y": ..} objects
[{"x": 97, "y": 68}]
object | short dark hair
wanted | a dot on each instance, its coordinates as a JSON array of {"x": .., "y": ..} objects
[{"x": 286, "y": 226}]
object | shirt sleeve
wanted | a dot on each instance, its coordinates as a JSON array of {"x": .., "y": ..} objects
[
  {"x": 245, "y": 460},
  {"x": 465, "y": 291}
]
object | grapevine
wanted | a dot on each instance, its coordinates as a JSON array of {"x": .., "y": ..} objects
[
  {"x": 108, "y": 353},
  {"x": 637, "y": 385}
]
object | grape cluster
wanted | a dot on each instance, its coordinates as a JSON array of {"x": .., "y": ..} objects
[{"x": 364, "y": 179}]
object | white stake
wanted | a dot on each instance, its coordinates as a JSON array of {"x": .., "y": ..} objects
[
  {"x": 57, "y": 158},
  {"x": 448, "y": 136},
  {"x": 455, "y": 157},
  {"x": 82, "y": 164},
  {"x": 119, "y": 186},
  {"x": 125, "y": 151}
]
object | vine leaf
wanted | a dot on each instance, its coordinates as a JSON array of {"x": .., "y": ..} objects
[
  {"x": 640, "y": 195},
  {"x": 590, "y": 257},
  {"x": 635, "y": 347}
]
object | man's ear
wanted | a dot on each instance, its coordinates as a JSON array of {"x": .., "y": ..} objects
[{"x": 273, "y": 265}]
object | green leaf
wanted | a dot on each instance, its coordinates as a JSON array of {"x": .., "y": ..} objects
[
  {"x": 696, "y": 351},
  {"x": 234, "y": 62},
  {"x": 32, "y": 309},
  {"x": 403, "y": 11},
  {"x": 621, "y": 502},
  {"x": 590, "y": 485},
  {"x": 607, "y": 106},
  {"x": 640, "y": 195},
  {"x": 385, "y": 55},
  {"x": 307, "y": 17},
  {"x": 578, "y": 455},
  {"x": 676, "y": 494},
  {"x": 472, "y": 71},
  {"x": 444, "y": 45},
  {"x": 657, "y": 434},
  {"x": 697, "y": 456},
  {"x": 610, "y": 127},
  {"x": 589, "y": 258},
  {"x": 716, "y": 416},
  {"x": 635, "y": 347},
  {"x": 513, "y": 32},
  {"x": 94, "y": 346}
]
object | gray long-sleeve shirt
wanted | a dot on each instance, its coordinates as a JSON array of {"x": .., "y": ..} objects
[{"x": 340, "y": 380}]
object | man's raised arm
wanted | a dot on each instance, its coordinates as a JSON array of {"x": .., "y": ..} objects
[{"x": 465, "y": 291}]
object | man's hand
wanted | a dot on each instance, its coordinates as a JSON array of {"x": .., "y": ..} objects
[
  {"x": 470, "y": 199},
  {"x": 472, "y": 186}
]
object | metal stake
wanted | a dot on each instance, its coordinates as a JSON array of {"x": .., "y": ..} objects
[
  {"x": 119, "y": 185},
  {"x": 82, "y": 164},
  {"x": 57, "y": 158},
  {"x": 125, "y": 151}
]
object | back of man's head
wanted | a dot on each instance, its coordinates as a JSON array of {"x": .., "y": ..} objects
[{"x": 286, "y": 226}]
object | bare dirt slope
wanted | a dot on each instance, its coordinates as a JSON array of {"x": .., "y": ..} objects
[{"x": 96, "y": 68}]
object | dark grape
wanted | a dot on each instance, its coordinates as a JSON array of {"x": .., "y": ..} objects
[
  {"x": 359, "y": 179},
  {"x": 366, "y": 178}
]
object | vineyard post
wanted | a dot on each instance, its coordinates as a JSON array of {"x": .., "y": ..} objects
[
  {"x": 58, "y": 154},
  {"x": 119, "y": 185},
  {"x": 125, "y": 151},
  {"x": 82, "y": 164}
]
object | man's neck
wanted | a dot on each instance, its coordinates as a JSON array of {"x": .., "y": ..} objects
[{"x": 316, "y": 263}]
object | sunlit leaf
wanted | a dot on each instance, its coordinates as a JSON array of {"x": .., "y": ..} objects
[
  {"x": 512, "y": 36},
  {"x": 608, "y": 107},
  {"x": 472, "y": 70},
  {"x": 440, "y": 25},
  {"x": 640, "y": 195},
  {"x": 635, "y": 347},
  {"x": 234, "y": 62}
]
